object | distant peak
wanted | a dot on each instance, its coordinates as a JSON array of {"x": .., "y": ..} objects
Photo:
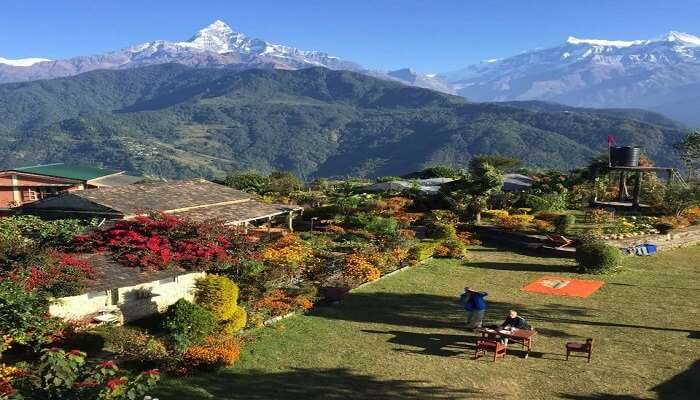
[
  {"x": 600, "y": 42},
  {"x": 216, "y": 28},
  {"x": 675, "y": 36},
  {"x": 217, "y": 36},
  {"x": 219, "y": 24},
  {"x": 22, "y": 62}
]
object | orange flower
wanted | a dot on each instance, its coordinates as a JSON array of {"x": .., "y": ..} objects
[
  {"x": 360, "y": 269},
  {"x": 215, "y": 351}
]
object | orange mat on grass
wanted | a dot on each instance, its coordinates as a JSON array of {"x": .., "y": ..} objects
[{"x": 561, "y": 286}]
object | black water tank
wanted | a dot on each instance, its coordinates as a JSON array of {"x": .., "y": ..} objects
[{"x": 625, "y": 156}]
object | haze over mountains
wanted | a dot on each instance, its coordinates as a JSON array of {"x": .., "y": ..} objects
[{"x": 661, "y": 74}]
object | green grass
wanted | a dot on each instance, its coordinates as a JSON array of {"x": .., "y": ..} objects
[{"x": 402, "y": 338}]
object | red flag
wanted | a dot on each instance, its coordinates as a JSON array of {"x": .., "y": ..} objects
[{"x": 611, "y": 140}]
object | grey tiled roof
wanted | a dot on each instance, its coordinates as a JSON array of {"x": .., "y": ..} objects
[
  {"x": 111, "y": 275},
  {"x": 161, "y": 196},
  {"x": 116, "y": 180},
  {"x": 238, "y": 212}
]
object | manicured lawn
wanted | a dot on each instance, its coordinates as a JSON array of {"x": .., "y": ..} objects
[{"x": 402, "y": 338}]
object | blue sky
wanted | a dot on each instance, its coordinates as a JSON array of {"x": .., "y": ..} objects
[{"x": 430, "y": 36}]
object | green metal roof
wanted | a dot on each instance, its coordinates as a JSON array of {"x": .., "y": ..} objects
[{"x": 79, "y": 172}]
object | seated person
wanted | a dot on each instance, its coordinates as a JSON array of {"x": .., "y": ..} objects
[{"x": 513, "y": 320}]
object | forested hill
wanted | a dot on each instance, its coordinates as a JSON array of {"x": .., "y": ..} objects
[{"x": 176, "y": 121}]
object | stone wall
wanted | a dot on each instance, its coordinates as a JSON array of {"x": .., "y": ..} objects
[
  {"x": 134, "y": 302},
  {"x": 677, "y": 238}
]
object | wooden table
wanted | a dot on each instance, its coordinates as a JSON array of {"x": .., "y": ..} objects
[{"x": 522, "y": 336}]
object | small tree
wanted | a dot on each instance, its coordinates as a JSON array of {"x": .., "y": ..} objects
[
  {"x": 689, "y": 151},
  {"x": 501, "y": 163},
  {"x": 678, "y": 197},
  {"x": 284, "y": 182},
  {"x": 439, "y": 171},
  {"x": 219, "y": 295},
  {"x": 249, "y": 181},
  {"x": 471, "y": 193}
]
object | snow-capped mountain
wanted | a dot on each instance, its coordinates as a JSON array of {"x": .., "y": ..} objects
[
  {"x": 215, "y": 45},
  {"x": 661, "y": 74},
  {"x": 22, "y": 62}
]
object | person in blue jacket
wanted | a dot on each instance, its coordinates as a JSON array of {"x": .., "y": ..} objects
[{"x": 475, "y": 306}]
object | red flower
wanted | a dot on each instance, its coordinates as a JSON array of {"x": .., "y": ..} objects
[
  {"x": 152, "y": 372},
  {"x": 116, "y": 382},
  {"x": 86, "y": 384},
  {"x": 108, "y": 364},
  {"x": 76, "y": 352}
]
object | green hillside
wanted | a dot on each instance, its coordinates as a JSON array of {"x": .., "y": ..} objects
[{"x": 176, "y": 121}]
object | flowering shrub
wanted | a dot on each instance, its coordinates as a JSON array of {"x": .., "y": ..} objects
[
  {"x": 389, "y": 259},
  {"x": 67, "y": 375},
  {"x": 468, "y": 239},
  {"x": 337, "y": 229},
  {"x": 216, "y": 351},
  {"x": 406, "y": 233},
  {"x": 451, "y": 249},
  {"x": 358, "y": 268},
  {"x": 159, "y": 241},
  {"x": 396, "y": 204},
  {"x": 62, "y": 275},
  {"x": 516, "y": 222},
  {"x": 288, "y": 251},
  {"x": 548, "y": 216},
  {"x": 600, "y": 216},
  {"x": 692, "y": 215},
  {"x": 278, "y": 302},
  {"x": 666, "y": 223},
  {"x": 543, "y": 226},
  {"x": 7, "y": 375},
  {"x": 495, "y": 214}
]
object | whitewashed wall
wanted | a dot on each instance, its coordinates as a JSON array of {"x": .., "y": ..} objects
[{"x": 134, "y": 302}]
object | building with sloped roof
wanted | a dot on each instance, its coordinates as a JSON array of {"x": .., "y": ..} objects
[
  {"x": 198, "y": 200},
  {"x": 121, "y": 294},
  {"x": 25, "y": 185}
]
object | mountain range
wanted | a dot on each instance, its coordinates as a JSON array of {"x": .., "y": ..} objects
[
  {"x": 661, "y": 74},
  {"x": 216, "y": 45},
  {"x": 176, "y": 121}
]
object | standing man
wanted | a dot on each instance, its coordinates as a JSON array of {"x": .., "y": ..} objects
[{"x": 475, "y": 306}]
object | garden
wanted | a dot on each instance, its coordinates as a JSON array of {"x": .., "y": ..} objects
[{"x": 346, "y": 238}]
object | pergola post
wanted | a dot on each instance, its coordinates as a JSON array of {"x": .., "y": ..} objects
[
  {"x": 622, "y": 187},
  {"x": 269, "y": 225},
  {"x": 290, "y": 218},
  {"x": 637, "y": 189}
]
